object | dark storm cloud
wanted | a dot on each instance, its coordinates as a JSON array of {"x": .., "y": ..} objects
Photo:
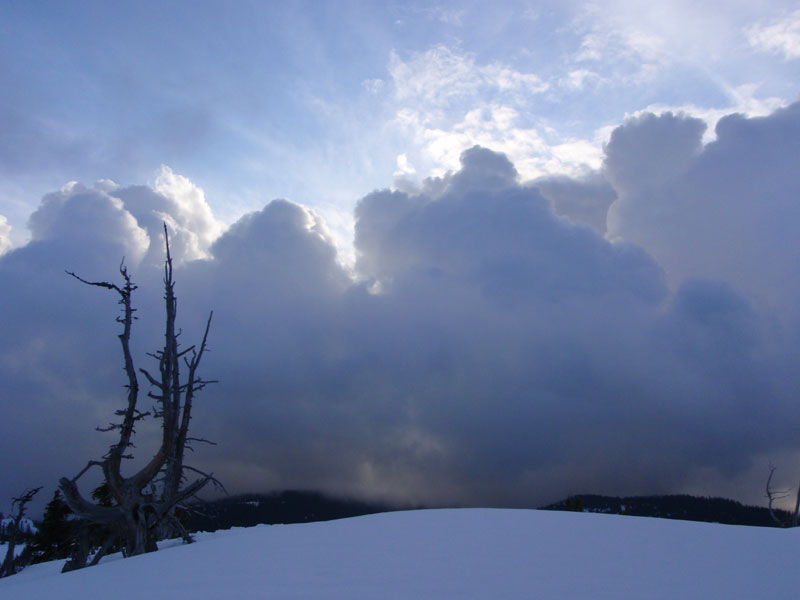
[
  {"x": 487, "y": 351},
  {"x": 554, "y": 347}
]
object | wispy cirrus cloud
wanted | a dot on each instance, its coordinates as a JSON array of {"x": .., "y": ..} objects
[
  {"x": 779, "y": 35},
  {"x": 441, "y": 76}
]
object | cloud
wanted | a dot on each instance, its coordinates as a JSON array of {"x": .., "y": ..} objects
[
  {"x": 633, "y": 43},
  {"x": 488, "y": 351},
  {"x": 113, "y": 220},
  {"x": 285, "y": 242},
  {"x": 180, "y": 204},
  {"x": 777, "y": 36},
  {"x": 499, "y": 127},
  {"x": 522, "y": 330},
  {"x": 583, "y": 199},
  {"x": 630, "y": 49},
  {"x": 5, "y": 238},
  {"x": 742, "y": 100},
  {"x": 725, "y": 210},
  {"x": 441, "y": 76},
  {"x": 447, "y": 101},
  {"x": 578, "y": 78},
  {"x": 87, "y": 224},
  {"x": 647, "y": 151}
]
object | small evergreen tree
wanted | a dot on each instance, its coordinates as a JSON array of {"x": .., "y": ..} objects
[
  {"x": 54, "y": 539},
  {"x": 102, "y": 495}
]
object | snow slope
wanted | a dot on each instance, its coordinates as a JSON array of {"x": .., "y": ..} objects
[{"x": 448, "y": 554}]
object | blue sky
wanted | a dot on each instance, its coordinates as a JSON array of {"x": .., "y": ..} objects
[
  {"x": 457, "y": 253},
  {"x": 316, "y": 101}
]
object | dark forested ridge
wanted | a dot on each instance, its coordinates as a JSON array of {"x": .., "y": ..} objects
[
  {"x": 684, "y": 507},
  {"x": 276, "y": 508}
]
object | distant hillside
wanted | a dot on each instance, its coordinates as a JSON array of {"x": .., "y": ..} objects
[
  {"x": 687, "y": 508},
  {"x": 305, "y": 507},
  {"x": 276, "y": 508}
]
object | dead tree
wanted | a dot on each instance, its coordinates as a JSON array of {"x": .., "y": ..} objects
[
  {"x": 774, "y": 495},
  {"x": 143, "y": 503},
  {"x": 9, "y": 566}
]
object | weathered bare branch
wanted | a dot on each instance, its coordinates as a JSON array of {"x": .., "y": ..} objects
[
  {"x": 150, "y": 378},
  {"x": 209, "y": 478},
  {"x": 89, "y": 465},
  {"x": 203, "y": 440},
  {"x": 111, "y": 427},
  {"x": 183, "y": 352},
  {"x": 88, "y": 510},
  {"x": 103, "y": 284}
]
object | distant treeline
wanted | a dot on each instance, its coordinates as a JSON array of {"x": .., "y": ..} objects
[
  {"x": 684, "y": 507},
  {"x": 305, "y": 507}
]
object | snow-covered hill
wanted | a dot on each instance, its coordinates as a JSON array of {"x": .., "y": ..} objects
[{"x": 447, "y": 554}]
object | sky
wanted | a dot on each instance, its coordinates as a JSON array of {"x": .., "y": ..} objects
[{"x": 457, "y": 254}]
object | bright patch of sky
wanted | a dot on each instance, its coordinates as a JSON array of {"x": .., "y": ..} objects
[{"x": 322, "y": 102}]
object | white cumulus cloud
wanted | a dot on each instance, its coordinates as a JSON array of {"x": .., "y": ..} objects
[{"x": 5, "y": 231}]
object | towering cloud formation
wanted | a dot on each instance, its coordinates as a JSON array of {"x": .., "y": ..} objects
[
  {"x": 486, "y": 350},
  {"x": 728, "y": 210}
]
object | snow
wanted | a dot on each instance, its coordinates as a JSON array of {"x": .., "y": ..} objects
[
  {"x": 18, "y": 549},
  {"x": 447, "y": 554},
  {"x": 25, "y": 525}
]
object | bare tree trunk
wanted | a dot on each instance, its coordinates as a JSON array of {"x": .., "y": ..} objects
[
  {"x": 139, "y": 514},
  {"x": 80, "y": 552},
  {"x": 9, "y": 566},
  {"x": 175, "y": 401},
  {"x": 107, "y": 544},
  {"x": 8, "y": 563},
  {"x": 773, "y": 495}
]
